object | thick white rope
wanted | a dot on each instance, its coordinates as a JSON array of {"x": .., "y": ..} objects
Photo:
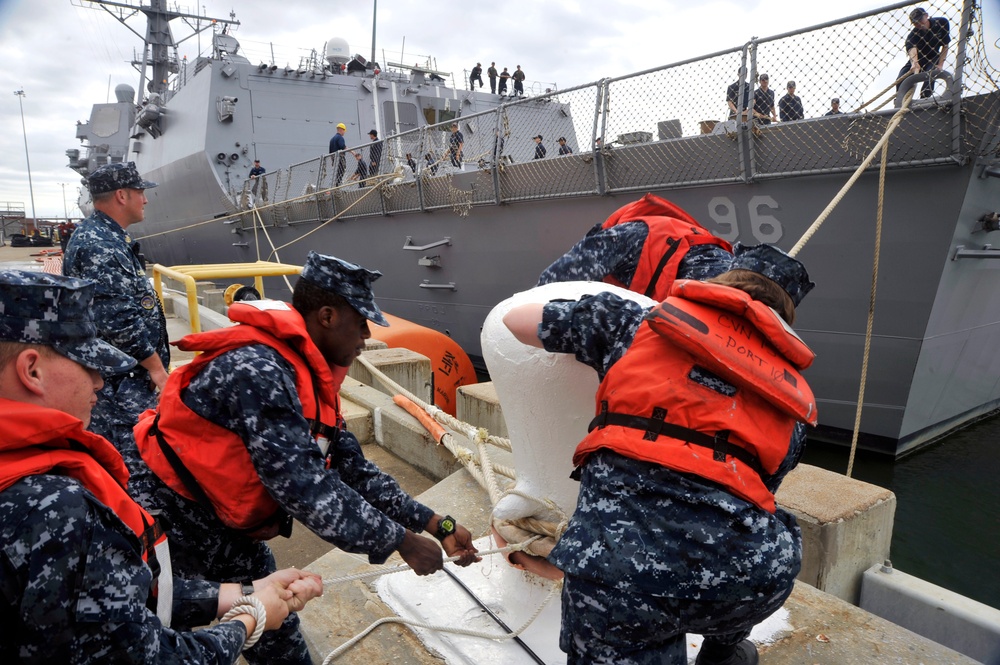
[
  {"x": 499, "y": 637},
  {"x": 871, "y": 309},
  {"x": 893, "y": 124},
  {"x": 252, "y": 606}
]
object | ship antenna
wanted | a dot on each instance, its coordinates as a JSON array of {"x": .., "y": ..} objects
[{"x": 374, "y": 17}]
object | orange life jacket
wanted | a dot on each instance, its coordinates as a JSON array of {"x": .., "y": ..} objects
[
  {"x": 36, "y": 440},
  {"x": 650, "y": 409},
  {"x": 210, "y": 464},
  {"x": 672, "y": 232}
]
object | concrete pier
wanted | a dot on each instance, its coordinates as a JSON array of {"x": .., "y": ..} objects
[{"x": 846, "y": 527}]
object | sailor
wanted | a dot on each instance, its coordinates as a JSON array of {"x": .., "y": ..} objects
[
  {"x": 563, "y": 148},
  {"x": 127, "y": 311},
  {"x": 492, "y": 73},
  {"x": 834, "y": 107},
  {"x": 643, "y": 247},
  {"x": 926, "y": 47},
  {"x": 337, "y": 147},
  {"x": 255, "y": 173},
  {"x": 701, "y": 413},
  {"x": 374, "y": 154},
  {"x": 80, "y": 556},
  {"x": 250, "y": 435},
  {"x": 539, "y": 147}
]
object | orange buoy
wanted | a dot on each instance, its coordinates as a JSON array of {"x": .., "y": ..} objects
[{"x": 450, "y": 364}]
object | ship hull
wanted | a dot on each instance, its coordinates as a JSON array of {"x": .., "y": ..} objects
[{"x": 937, "y": 319}]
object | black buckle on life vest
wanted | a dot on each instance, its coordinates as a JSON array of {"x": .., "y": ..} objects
[
  {"x": 600, "y": 421},
  {"x": 655, "y": 424},
  {"x": 721, "y": 446}
]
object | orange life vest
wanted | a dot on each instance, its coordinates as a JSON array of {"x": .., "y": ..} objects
[
  {"x": 672, "y": 232},
  {"x": 650, "y": 409},
  {"x": 36, "y": 440},
  {"x": 210, "y": 464}
]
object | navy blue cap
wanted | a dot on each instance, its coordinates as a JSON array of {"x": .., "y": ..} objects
[
  {"x": 348, "y": 280},
  {"x": 38, "y": 308},
  {"x": 777, "y": 266},
  {"x": 110, "y": 177}
]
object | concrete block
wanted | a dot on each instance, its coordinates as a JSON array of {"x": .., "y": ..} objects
[
  {"x": 407, "y": 368},
  {"x": 209, "y": 320},
  {"x": 215, "y": 300},
  {"x": 957, "y": 622},
  {"x": 359, "y": 420},
  {"x": 372, "y": 344},
  {"x": 400, "y": 433},
  {"x": 478, "y": 405},
  {"x": 846, "y": 527}
]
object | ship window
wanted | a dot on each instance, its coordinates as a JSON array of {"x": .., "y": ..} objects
[
  {"x": 435, "y": 116},
  {"x": 403, "y": 114}
]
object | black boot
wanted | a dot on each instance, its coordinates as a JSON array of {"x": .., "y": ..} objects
[{"x": 744, "y": 653}]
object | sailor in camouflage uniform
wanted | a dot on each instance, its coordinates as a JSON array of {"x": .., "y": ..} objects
[
  {"x": 73, "y": 581},
  {"x": 643, "y": 246},
  {"x": 127, "y": 312},
  {"x": 652, "y": 553},
  {"x": 264, "y": 401}
]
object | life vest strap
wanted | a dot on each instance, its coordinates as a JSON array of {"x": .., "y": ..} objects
[{"x": 657, "y": 425}]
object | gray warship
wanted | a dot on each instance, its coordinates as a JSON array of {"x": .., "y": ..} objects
[{"x": 454, "y": 237}]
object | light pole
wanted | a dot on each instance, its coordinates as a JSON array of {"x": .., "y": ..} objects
[
  {"x": 31, "y": 189},
  {"x": 65, "y": 209}
]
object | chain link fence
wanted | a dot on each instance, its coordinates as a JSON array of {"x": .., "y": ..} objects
[{"x": 720, "y": 118}]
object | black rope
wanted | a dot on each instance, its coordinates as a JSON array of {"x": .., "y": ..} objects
[{"x": 493, "y": 616}]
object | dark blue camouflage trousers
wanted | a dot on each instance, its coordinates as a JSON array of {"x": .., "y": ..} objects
[
  {"x": 198, "y": 550},
  {"x": 607, "y": 626},
  {"x": 119, "y": 404}
]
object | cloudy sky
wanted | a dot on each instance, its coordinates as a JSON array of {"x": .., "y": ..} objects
[{"x": 63, "y": 55}]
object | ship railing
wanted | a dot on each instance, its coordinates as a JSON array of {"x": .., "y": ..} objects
[
  {"x": 670, "y": 126},
  {"x": 189, "y": 275}
]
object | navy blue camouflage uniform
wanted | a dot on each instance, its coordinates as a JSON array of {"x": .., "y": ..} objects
[
  {"x": 74, "y": 587},
  {"x": 73, "y": 583},
  {"x": 128, "y": 315},
  {"x": 251, "y": 391},
  {"x": 353, "y": 505},
  {"x": 615, "y": 252},
  {"x": 651, "y": 554}
]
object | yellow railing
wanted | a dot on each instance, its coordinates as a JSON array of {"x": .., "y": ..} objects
[{"x": 190, "y": 274}]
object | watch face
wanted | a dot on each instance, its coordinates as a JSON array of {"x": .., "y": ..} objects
[{"x": 447, "y": 525}]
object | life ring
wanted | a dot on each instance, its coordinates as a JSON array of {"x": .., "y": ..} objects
[
  {"x": 450, "y": 364},
  {"x": 547, "y": 401},
  {"x": 922, "y": 77}
]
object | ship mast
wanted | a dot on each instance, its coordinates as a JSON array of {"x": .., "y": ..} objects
[{"x": 158, "y": 40}]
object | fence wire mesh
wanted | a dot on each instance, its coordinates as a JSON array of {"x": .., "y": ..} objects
[{"x": 674, "y": 126}]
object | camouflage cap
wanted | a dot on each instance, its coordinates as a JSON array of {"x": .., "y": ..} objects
[
  {"x": 38, "y": 308},
  {"x": 777, "y": 266},
  {"x": 110, "y": 177},
  {"x": 348, "y": 280}
]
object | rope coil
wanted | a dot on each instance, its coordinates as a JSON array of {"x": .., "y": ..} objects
[{"x": 252, "y": 606}]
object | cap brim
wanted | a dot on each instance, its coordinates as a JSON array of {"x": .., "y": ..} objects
[
  {"x": 146, "y": 184},
  {"x": 97, "y": 354},
  {"x": 369, "y": 310}
]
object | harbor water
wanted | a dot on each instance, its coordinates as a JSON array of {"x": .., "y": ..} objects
[{"x": 947, "y": 528}]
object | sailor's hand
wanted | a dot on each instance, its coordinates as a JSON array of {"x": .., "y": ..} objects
[
  {"x": 460, "y": 544},
  {"x": 422, "y": 554}
]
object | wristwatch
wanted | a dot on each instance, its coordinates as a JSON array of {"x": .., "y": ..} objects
[
  {"x": 246, "y": 587},
  {"x": 446, "y": 527}
]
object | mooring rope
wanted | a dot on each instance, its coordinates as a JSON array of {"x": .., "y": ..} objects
[
  {"x": 883, "y": 147},
  {"x": 497, "y": 637}
]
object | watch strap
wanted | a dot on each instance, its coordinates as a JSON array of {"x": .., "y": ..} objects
[{"x": 446, "y": 527}]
